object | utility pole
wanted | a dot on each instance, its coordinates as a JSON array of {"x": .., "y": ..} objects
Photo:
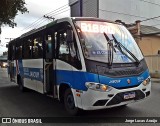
[
  {"x": 138, "y": 25},
  {"x": 135, "y": 30},
  {"x": 49, "y": 17}
]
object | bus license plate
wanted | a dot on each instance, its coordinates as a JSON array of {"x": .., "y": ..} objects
[{"x": 129, "y": 95}]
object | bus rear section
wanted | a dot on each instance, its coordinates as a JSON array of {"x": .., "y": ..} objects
[{"x": 87, "y": 63}]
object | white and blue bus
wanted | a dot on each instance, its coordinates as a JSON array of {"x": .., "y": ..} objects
[{"x": 87, "y": 63}]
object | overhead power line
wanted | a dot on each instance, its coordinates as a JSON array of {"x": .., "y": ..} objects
[
  {"x": 41, "y": 19},
  {"x": 39, "y": 24},
  {"x": 145, "y": 18},
  {"x": 35, "y": 22},
  {"x": 60, "y": 12},
  {"x": 150, "y": 2},
  {"x": 156, "y": 25},
  {"x": 150, "y": 18},
  {"x": 55, "y": 12},
  {"x": 122, "y": 13}
]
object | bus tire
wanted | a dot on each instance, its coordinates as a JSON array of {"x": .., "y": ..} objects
[{"x": 69, "y": 103}]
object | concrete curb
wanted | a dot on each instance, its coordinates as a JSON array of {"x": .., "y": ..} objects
[{"x": 155, "y": 80}]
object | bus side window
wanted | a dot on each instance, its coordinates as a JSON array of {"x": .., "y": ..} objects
[
  {"x": 68, "y": 51},
  {"x": 75, "y": 56},
  {"x": 13, "y": 53},
  {"x": 37, "y": 48},
  {"x": 19, "y": 51},
  {"x": 27, "y": 49},
  {"x": 49, "y": 44},
  {"x": 64, "y": 48}
]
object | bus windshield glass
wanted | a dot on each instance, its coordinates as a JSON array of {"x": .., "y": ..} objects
[{"x": 96, "y": 37}]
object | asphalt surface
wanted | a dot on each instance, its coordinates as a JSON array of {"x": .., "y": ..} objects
[{"x": 14, "y": 103}]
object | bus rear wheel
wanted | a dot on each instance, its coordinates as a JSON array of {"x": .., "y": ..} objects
[{"x": 69, "y": 103}]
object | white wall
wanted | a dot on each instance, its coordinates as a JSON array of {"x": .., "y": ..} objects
[{"x": 130, "y": 10}]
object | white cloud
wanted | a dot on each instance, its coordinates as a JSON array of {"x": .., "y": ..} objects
[{"x": 37, "y": 8}]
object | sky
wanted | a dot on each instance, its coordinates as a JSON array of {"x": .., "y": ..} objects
[{"x": 36, "y": 8}]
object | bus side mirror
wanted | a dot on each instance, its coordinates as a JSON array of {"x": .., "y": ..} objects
[
  {"x": 6, "y": 45},
  {"x": 69, "y": 36}
]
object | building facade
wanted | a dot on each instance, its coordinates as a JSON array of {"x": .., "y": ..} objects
[{"x": 126, "y": 10}]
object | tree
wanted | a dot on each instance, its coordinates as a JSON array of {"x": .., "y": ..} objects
[{"x": 8, "y": 11}]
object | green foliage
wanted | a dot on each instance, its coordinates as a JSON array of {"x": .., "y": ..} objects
[{"x": 9, "y": 10}]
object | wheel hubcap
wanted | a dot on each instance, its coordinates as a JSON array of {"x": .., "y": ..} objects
[{"x": 70, "y": 102}]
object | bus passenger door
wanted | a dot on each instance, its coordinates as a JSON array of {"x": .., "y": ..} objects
[{"x": 49, "y": 63}]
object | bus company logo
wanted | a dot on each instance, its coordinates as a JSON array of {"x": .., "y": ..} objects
[
  {"x": 6, "y": 120},
  {"x": 140, "y": 79},
  {"x": 128, "y": 81},
  {"x": 34, "y": 74},
  {"x": 115, "y": 81}
]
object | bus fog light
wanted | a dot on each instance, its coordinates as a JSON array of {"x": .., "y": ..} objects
[{"x": 98, "y": 87}]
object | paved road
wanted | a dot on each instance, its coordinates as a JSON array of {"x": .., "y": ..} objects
[{"x": 14, "y": 103}]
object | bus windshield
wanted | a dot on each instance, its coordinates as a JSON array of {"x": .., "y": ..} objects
[{"x": 96, "y": 47}]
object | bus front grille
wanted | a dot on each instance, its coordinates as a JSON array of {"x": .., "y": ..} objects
[{"x": 118, "y": 98}]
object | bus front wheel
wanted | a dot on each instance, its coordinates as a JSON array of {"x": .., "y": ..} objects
[{"x": 69, "y": 103}]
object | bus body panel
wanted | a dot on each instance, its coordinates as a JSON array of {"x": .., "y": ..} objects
[
  {"x": 31, "y": 72},
  {"x": 121, "y": 83},
  {"x": 80, "y": 78},
  {"x": 90, "y": 97},
  {"x": 64, "y": 73}
]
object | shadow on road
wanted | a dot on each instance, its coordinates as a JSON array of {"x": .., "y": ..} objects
[{"x": 33, "y": 104}]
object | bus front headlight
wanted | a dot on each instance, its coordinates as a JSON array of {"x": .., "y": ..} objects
[
  {"x": 146, "y": 82},
  {"x": 98, "y": 87}
]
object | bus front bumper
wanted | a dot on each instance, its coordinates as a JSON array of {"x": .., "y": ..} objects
[{"x": 93, "y": 100}]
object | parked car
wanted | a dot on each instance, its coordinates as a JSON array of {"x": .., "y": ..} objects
[{"x": 3, "y": 64}]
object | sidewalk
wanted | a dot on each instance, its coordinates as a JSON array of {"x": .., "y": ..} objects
[{"x": 155, "y": 80}]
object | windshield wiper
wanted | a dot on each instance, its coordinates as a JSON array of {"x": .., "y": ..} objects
[
  {"x": 110, "y": 50},
  {"x": 131, "y": 54}
]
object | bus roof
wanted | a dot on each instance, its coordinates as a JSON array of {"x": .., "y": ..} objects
[{"x": 60, "y": 20}]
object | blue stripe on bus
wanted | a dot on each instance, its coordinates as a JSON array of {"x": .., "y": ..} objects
[
  {"x": 123, "y": 82},
  {"x": 77, "y": 79}
]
